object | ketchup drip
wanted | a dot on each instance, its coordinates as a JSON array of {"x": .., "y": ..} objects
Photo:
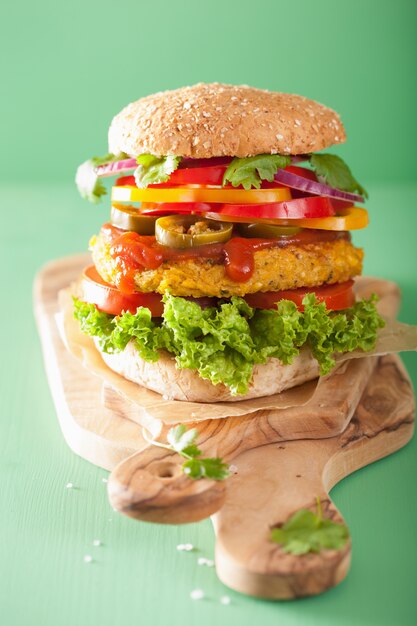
[{"x": 134, "y": 252}]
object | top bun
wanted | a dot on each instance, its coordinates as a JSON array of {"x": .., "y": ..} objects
[{"x": 213, "y": 120}]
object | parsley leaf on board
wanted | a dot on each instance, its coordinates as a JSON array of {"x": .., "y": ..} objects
[
  {"x": 251, "y": 171},
  {"x": 183, "y": 441},
  {"x": 152, "y": 169},
  {"x": 180, "y": 438},
  {"x": 336, "y": 173},
  {"x": 306, "y": 531},
  {"x": 88, "y": 183},
  {"x": 206, "y": 468}
]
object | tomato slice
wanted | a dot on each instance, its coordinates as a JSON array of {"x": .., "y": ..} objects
[
  {"x": 212, "y": 175},
  {"x": 301, "y": 208},
  {"x": 336, "y": 297},
  {"x": 301, "y": 171},
  {"x": 109, "y": 299}
]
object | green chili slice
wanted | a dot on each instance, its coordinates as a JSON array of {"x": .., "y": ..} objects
[
  {"x": 189, "y": 231},
  {"x": 129, "y": 218}
]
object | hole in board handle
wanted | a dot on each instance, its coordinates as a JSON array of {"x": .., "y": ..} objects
[{"x": 165, "y": 470}]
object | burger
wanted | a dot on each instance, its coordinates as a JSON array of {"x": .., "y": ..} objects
[{"x": 225, "y": 268}]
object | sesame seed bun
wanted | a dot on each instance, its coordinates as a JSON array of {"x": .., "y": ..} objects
[{"x": 212, "y": 120}]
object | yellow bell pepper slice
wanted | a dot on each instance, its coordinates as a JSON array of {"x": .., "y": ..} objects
[
  {"x": 351, "y": 218},
  {"x": 128, "y": 193}
]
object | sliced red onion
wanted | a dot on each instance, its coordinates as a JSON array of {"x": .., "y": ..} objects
[
  {"x": 311, "y": 186},
  {"x": 117, "y": 167}
]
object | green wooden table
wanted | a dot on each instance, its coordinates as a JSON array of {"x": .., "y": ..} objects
[{"x": 137, "y": 576}]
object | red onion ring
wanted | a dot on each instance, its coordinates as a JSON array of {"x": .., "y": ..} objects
[
  {"x": 311, "y": 186},
  {"x": 112, "y": 169}
]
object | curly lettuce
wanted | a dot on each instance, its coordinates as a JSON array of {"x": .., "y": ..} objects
[{"x": 224, "y": 343}]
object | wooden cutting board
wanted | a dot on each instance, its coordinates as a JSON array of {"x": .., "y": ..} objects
[{"x": 279, "y": 470}]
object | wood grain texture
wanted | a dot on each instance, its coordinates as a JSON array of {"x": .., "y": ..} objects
[
  {"x": 275, "y": 481},
  {"x": 150, "y": 485}
]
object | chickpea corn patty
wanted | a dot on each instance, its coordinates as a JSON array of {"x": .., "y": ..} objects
[{"x": 294, "y": 266}]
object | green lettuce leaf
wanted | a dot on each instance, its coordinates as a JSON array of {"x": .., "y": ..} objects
[
  {"x": 224, "y": 343},
  {"x": 95, "y": 323},
  {"x": 88, "y": 183},
  {"x": 336, "y": 173},
  {"x": 153, "y": 169},
  {"x": 251, "y": 171}
]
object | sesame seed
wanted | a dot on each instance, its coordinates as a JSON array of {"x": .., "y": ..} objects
[
  {"x": 185, "y": 547},
  {"x": 336, "y": 138},
  {"x": 186, "y": 105},
  {"x": 104, "y": 480},
  {"x": 233, "y": 469},
  {"x": 234, "y": 98},
  {"x": 96, "y": 543},
  {"x": 206, "y": 114},
  {"x": 225, "y": 600},
  {"x": 197, "y": 594},
  {"x": 88, "y": 558},
  {"x": 69, "y": 486},
  {"x": 297, "y": 123},
  {"x": 279, "y": 136}
]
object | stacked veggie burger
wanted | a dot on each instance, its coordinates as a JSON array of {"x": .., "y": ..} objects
[{"x": 225, "y": 269}]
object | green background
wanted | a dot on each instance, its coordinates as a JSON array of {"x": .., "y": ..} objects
[{"x": 67, "y": 69}]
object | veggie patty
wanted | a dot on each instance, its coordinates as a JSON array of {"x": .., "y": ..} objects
[{"x": 294, "y": 266}]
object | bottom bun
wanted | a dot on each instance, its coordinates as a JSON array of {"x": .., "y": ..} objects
[{"x": 173, "y": 383}]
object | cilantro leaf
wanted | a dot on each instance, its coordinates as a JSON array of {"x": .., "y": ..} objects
[
  {"x": 88, "y": 183},
  {"x": 336, "y": 173},
  {"x": 180, "y": 438},
  {"x": 183, "y": 441},
  {"x": 213, "y": 468},
  {"x": 251, "y": 171},
  {"x": 306, "y": 531},
  {"x": 153, "y": 169}
]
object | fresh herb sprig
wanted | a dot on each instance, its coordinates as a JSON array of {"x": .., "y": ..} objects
[
  {"x": 306, "y": 532},
  {"x": 153, "y": 170},
  {"x": 88, "y": 183},
  {"x": 183, "y": 442},
  {"x": 251, "y": 171}
]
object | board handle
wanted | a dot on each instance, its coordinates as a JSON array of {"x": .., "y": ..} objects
[
  {"x": 151, "y": 486},
  {"x": 262, "y": 568}
]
